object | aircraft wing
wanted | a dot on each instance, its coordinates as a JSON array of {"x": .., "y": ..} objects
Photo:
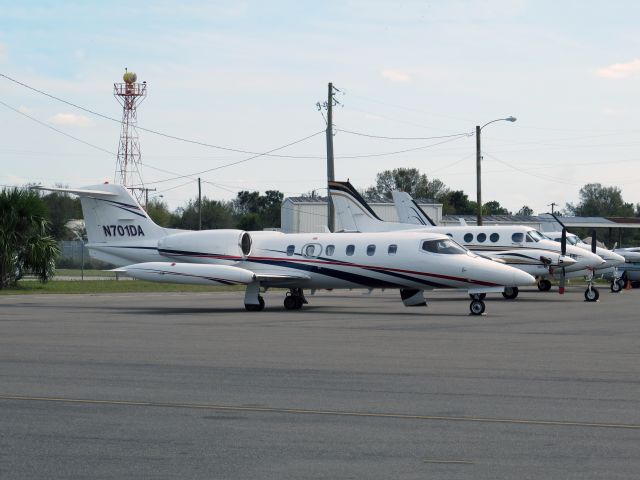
[{"x": 277, "y": 279}]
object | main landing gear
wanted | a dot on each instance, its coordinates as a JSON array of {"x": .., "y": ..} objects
[
  {"x": 294, "y": 299},
  {"x": 544, "y": 285},
  {"x": 255, "y": 307},
  {"x": 510, "y": 293}
]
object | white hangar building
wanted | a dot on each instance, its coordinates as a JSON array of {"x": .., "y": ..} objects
[{"x": 309, "y": 215}]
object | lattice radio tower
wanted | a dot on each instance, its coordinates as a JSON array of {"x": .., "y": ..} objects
[{"x": 128, "y": 165}]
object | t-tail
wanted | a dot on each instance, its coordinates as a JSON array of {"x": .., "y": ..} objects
[
  {"x": 119, "y": 231},
  {"x": 354, "y": 212},
  {"x": 409, "y": 211}
]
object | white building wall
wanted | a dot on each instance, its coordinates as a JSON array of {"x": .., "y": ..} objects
[{"x": 310, "y": 217}]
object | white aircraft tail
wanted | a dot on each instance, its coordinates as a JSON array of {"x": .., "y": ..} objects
[
  {"x": 116, "y": 224},
  {"x": 354, "y": 212},
  {"x": 409, "y": 211}
]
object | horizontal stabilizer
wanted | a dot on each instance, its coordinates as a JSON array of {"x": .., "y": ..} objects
[{"x": 76, "y": 191}]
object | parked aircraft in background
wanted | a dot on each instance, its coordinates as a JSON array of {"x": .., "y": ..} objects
[
  {"x": 518, "y": 246},
  {"x": 120, "y": 232},
  {"x": 612, "y": 260}
]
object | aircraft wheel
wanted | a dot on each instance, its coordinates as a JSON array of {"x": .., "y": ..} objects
[
  {"x": 617, "y": 286},
  {"x": 477, "y": 296},
  {"x": 544, "y": 285},
  {"x": 292, "y": 302},
  {"x": 252, "y": 307},
  {"x": 592, "y": 294},
  {"x": 510, "y": 293},
  {"x": 477, "y": 307}
]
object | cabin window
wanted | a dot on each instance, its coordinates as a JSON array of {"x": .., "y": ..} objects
[
  {"x": 494, "y": 237},
  {"x": 312, "y": 250},
  {"x": 350, "y": 250},
  {"x": 482, "y": 237},
  {"x": 371, "y": 250},
  {"x": 392, "y": 250},
  {"x": 290, "y": 250},
  {"x": 468, "y": 237},
  {"x": 517, "y": 237},
  {"x": 329, "y": 250},
  {"x": 443, "y": 246}
]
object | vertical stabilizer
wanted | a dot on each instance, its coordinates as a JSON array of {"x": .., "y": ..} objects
[
  {"x": 354, "y": 212},
  {"x": 409, "y": 211},
  {"x": 118, "y": 229}
]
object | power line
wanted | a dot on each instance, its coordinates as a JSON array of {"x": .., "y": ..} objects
[
  {"x": 148, "y": 130},
  {"x": 423, "y": 147},
  {"x": 469, "y": 134},
  {"x": 55, "y": 129},
  {"x": 238, "y": 161}
]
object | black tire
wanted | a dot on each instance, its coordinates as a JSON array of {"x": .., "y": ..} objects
[
  {"x": 477, "y": 307},
  {"x": 290, "y": 302},
  {"x": 299, "y": 302},
  {"x": 591, "y": 295},
  {"x": 510, "y": 293},
  {"x": 544, "y": 285},
  {"x": 477, "y": 296},
  {"x": 252, "y": 307},
  {"x": 617, "y": 286}
]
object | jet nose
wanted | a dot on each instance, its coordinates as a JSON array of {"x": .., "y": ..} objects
[{"x": 521, "y": 278}]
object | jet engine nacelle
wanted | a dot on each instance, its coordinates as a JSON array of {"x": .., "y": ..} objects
[{"x": 200, "y": 245}]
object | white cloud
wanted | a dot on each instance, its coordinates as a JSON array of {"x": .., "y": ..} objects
[
  {"x": 71, "y": 119},
  {"x": 26, "y": 110},
  {"x": 395, "y": 75},
  {"x": 620, "y": 70}
]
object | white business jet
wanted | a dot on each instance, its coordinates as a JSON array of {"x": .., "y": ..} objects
[
  {"x": 518, "y": 246},
  {"x": 120, "y": 232}
]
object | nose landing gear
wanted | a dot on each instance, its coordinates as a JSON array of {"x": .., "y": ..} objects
[{"x": 591, "y": 294}]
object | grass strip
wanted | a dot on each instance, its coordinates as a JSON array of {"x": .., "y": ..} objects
[{"x": 109, "y": 286}]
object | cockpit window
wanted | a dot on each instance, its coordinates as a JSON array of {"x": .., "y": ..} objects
[
  {"x": 536, "y": 235},
  {"x": 517, "y": 237},
  {"x": 443, "y": 246}
]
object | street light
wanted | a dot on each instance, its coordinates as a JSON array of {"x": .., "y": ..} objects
[{"x": 478, "y": 159}]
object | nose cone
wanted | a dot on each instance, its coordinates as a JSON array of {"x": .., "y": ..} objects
[
  {"x": 521, "y": 278},
  {"x": 612, "y": 259},
  {"x": 566, "y": 261},
  {"x": 584, "y": 259}
]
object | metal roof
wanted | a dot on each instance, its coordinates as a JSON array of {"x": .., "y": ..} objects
[
  {"x": 377, "y": 201},
  {"x": 587, "y": 222}
]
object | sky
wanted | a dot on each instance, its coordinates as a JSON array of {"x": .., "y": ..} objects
[{"x": 247, "y": 75}]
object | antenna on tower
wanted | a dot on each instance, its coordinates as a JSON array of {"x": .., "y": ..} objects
[{"x": 128, "y": 164}]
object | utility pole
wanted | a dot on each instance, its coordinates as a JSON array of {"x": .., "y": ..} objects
[
  {"x": 199, "y": 205},
  {"x": 552, "y": 204},
  {"x": 478, "y": 172},
  {"x": 146, "y": 194},
  {"x": 330, "y": 170}
]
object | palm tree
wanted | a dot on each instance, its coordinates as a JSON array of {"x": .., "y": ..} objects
[{"x": 24, "y": 240}]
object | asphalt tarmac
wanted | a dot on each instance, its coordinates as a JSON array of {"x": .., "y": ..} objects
[{"x": 352, "y": 386}]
